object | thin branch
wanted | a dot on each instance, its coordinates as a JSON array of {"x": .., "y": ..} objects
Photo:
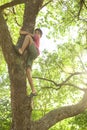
[
  {"x": 82, "y": 19},
  {"x": 84, "y": 4},
  {"x": 81, "y": 5},
  {"x": 75, "y": 86},
  {"x": 66, "y": 84},
  {"x": 63, "y": 83},
  {"x": 50, "y": 87},
  {"x": 12, "y": 3},
  {"x": 82, "y": 63},
  {"x": 70, "y": 76},
  {"x": 15, "y": 17},
  {"x": 46, "y": 4},
  {"x": 46, "y": 80}
]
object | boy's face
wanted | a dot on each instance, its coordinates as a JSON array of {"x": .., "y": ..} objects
[{"x": 38, "y": 33}]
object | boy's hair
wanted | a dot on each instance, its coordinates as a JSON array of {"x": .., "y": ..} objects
[{"x": 38, "y": 29}]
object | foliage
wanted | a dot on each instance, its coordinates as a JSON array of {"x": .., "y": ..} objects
[
  {"x": 5, "y": 107},
  {"x": 59, "y": 16},
  {"x": 5, "y": 113},
  {"x": 80, "y": 121},
  {"x": 62, "y": 21},
  {"x": 56, "y": 96}
]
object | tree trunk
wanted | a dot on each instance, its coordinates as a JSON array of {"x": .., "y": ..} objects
[{"x": 20, "y": 102}]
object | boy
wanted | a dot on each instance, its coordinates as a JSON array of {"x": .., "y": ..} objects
[{"x": 32, "y": 43}]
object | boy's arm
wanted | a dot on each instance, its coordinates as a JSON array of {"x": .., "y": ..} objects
[{"x": 25, "y": 33}]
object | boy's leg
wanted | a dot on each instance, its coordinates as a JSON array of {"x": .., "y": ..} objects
[
  {"x": 29, "y": 76},
  {"x": 28, "y": 40}
]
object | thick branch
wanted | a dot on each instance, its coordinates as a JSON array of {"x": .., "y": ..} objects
[
  {"x": 59, "y": 114},
  {"x": 30, "y": 14},
  {"x": 6, "y": 41},
  {"x": 12, "y": 3}
]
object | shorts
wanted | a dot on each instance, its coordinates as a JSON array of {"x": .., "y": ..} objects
[{"x": 32, "y": 55}]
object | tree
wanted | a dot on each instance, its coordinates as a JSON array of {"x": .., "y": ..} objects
[{"x": 20, "y": 102}]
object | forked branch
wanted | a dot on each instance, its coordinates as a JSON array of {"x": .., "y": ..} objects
[{"x": 65, "y": 82}]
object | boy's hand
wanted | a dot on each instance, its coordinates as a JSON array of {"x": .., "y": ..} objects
[{"x": 23, "y": 32}]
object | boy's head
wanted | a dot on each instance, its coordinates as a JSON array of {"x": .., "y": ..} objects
[{"x": 38, "y": 31}]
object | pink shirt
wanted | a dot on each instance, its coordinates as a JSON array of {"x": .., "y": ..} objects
[{"x": 37, "y": 42}]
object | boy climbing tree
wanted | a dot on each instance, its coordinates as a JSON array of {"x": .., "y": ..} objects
[{"x": 31, "y": 43}]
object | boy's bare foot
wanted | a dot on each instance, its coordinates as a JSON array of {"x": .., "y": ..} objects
[
  {"x": 33, "y": 94},
  {"x": 20, "y": 51}
]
